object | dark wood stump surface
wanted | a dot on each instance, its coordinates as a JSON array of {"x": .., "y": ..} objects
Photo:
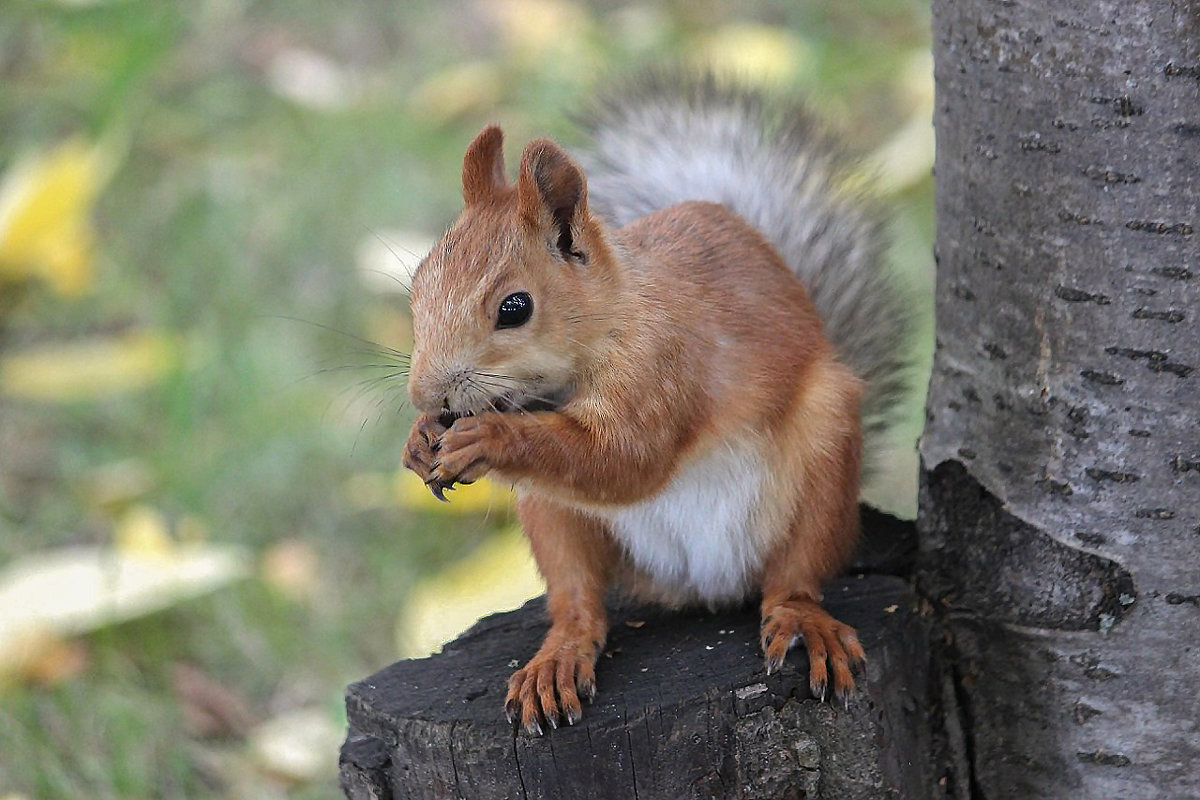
[{"x": 684, "y": 710}]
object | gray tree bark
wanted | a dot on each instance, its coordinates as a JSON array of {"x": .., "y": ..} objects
[{"x": 1061, "y": 485}]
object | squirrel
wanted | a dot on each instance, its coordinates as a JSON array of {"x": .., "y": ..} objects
[{"x": 673, "y": 348}]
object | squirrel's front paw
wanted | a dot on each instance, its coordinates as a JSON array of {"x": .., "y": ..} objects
[
  {"x": 419, "y": 450},
  {"x": 469, "y": 449},
  {"x": 549, "y": 688}
]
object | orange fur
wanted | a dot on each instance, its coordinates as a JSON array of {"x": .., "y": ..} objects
[
  {"x": 577, "y": 559},
  {"x": 649, "y": 348}
]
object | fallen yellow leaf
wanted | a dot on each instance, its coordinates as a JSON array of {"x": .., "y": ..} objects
[
  {"x": 483, "y": 496},
  {"x": 298, "y": 746},
  {"x": 758, "y": 54},
  {"x": 458, "y": 89},
  {"x": 45, "y": 208},
  {"x": 142, "y": 531},
  {"x": 71, "y": 590},
  {"x": 499, "y": 575},
  {"x": 87, "y": 370},
  {"x": 535, "y": 30}
]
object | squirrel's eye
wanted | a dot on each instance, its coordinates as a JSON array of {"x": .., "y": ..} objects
[{"x": 514, "y": 310}]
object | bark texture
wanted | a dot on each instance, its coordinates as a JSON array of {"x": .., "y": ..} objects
[
  {"x": 684, "y": 711},
  {"x": 1061, "y": 492}
]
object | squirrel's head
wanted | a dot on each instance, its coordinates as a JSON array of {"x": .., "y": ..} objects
[{"x": 510, "y": 305}]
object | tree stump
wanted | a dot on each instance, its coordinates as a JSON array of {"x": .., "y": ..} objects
[{"x": 684, "y": 709}]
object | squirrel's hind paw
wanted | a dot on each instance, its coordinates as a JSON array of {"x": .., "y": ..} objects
[
  {"x": 548, "y": 689},
  {"x": 830, "y": 645}
]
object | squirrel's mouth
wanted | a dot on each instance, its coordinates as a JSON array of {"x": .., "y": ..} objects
[
  {"x": 448, "y": 417},
  {"x": 504, "y": 404}
]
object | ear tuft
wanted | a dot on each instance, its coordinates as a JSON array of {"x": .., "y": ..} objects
[
  {"x": 483, "y": 166},
  {"x": 552, "y": 193}
]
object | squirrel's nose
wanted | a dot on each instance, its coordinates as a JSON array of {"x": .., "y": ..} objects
[
  {"x": 426, "y": 388},
  {"x": 424, "y": 396}
]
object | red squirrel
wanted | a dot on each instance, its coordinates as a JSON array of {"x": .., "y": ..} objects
[{"x": 640, "y": 357}]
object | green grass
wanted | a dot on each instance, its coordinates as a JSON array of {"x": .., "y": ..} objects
[{"x": 232, "y": 222}]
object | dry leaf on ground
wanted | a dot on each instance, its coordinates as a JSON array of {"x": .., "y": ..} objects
[
  {"x": 74, "y": 371},
  {"x": 499, "y": 575},
  {"x": 298, "y": 746},
  {"x": 209, "y": 708},
  {"x": 51, "y": 594},
  {"x": 45, "y": 207},
  {"x": 480, "y": 497}
]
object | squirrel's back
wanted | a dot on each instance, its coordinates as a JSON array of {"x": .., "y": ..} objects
[{"x": 666, "y": 139}]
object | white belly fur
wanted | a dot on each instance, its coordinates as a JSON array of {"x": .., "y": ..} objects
[{"x": 704, "y": 537}]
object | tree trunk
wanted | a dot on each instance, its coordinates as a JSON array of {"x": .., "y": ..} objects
[{"x": 1060, "y": 500}]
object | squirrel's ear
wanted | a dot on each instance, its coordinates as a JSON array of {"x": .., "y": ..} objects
[
  {"x": 552, "y": 194},
  {"x": 483, "y": 165}
]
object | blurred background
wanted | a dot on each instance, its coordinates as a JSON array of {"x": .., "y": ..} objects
[{"x": 207, "y": 212}]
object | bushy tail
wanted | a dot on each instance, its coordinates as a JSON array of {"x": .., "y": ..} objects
[{"x": 666, "y": 138}]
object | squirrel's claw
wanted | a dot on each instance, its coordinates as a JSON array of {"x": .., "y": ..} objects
[
  {"x": 512, "y": 710},
  {"x": 437, "y": 485},
  {"x": 438, "y": 488}
]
